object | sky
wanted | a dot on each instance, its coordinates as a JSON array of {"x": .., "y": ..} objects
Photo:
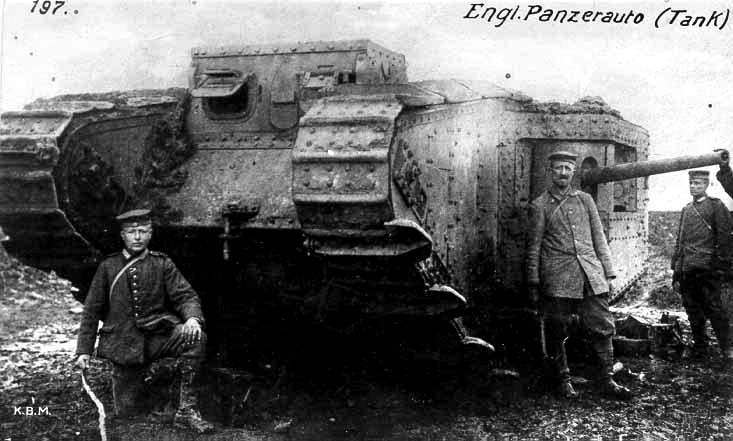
[{"x": 674, "y": 80}]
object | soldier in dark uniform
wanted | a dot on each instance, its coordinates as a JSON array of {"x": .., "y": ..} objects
[
  {"x": 569, "y": 271},
  {"x": 700, "y": 262},
  {"x": 725, "y": 177},
  {"x": 149, "y": 311}
]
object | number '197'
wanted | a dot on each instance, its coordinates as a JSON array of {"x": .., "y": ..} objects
[{"x": 47, "y": 6}]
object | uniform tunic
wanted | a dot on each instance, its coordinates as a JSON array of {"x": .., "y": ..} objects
[
  {"x": 567, "y": 245},
  {"x": 704, "y": 237},
  {"x": 701, "y": 257},
  {"x": 148, "y": 300}
]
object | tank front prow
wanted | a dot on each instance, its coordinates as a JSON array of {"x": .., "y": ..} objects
[{"x": 619, "y": 172}]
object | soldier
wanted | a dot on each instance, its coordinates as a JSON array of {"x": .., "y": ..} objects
[
  {"x": 569, "y": 271},
  {"x": 725, "y": 176},
  {"x": 701, "y": 261},
  {"x": 149, "y": 311}
]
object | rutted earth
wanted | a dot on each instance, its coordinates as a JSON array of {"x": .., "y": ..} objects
[{"x": 42, "y": 397}]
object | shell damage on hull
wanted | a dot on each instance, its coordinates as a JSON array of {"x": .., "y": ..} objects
[{"x": 315, "y": 175}]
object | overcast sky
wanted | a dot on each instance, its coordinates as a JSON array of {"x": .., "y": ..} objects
[{"x": 676, "y": 81}]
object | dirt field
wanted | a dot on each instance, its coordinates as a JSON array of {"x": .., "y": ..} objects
[{"x": 42, "y": 398}]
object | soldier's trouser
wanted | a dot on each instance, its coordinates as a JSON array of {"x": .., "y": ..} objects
[
  {"x": 595, "y": 318},
  {"x": 127, "y": 381},
  {"x": 701, "y": 298}
]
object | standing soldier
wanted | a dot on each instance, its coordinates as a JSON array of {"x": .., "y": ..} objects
[
  {"x": 701, "y": 261},
  {"x": 569, "y": 271},
  {"x": 149, "y": 311}
]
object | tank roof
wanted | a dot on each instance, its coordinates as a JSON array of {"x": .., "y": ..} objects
[{"x": 294, "y": 48}]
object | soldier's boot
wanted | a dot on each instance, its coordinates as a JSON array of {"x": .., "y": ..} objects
[
  {"x": 188, "y": 415},
  {"x": 696, "y": 353},
  {"x": 699, "y": 350},
  {"x": 606, "y": 385},
  {"x": 560, "y": 362},
  {"x": 720, "y": 326},
  {"x": 127, "y": 391},
  {"x": 566, "y": 388}
]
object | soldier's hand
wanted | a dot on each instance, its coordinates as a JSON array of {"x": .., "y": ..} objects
[
  {"x": 611, "y": 288},
  {"x": 82, "y": 361},
  {"x": 676, "y": 286},
  {"x": 724, "y": 158},
  {"x": 191, "y": 331},
  {"x": 534, "y": 295}
]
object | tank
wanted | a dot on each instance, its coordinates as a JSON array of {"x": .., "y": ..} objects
[{"x": 312, "y": 186}]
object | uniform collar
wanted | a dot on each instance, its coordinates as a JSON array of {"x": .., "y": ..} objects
[
  {"x": 126, "y": 254},
  {"x": 559, "y": 196},
  {"x": 701, "y": 198}
]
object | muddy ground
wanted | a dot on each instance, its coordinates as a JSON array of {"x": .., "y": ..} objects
[{"x": 41, "y": 397}]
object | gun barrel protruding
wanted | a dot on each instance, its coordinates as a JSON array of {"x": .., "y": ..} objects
[{"x": 630, "y": 170}]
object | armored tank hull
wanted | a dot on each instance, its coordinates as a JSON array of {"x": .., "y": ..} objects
[{"x": 311, "y": 183}]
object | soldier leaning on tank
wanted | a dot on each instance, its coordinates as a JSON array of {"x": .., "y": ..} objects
[
  {"x": 701, "y": 261},
  {"x": 149, "y": 312},
  {"x": 725, "y": 176},
  {"x": 569, "y": 271}
]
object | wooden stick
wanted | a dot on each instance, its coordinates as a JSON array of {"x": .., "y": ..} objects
[{"x": 100, "y": 406}]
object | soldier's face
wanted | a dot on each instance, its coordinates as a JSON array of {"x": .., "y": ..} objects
[
  {"x": 698, "y": 187},
  {"x": 136, "y": 237},
  {"x": 562, "y": 173}
]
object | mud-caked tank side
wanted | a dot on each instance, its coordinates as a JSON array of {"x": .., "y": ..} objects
[
  {"x": 69, "y": 164},
  {"x": 600, "y": 137}
]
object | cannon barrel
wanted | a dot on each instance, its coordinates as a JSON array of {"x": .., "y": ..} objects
[{"x": 630, "y": 170}]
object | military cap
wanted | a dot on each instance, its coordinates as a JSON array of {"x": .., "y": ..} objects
[
  {"x": 134, "y": 217},
  {"x": 562, "y": 156},
  {"x": 699, "y": 174}
]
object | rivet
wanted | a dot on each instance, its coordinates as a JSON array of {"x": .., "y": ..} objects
[
  {"x": 293, "y": 49},
  {"x": 257, "y": 51},
  {"x": 256, "y": 138},
  {"x": 306, "y": 184},
  {"x": 275, "y": 50}
]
